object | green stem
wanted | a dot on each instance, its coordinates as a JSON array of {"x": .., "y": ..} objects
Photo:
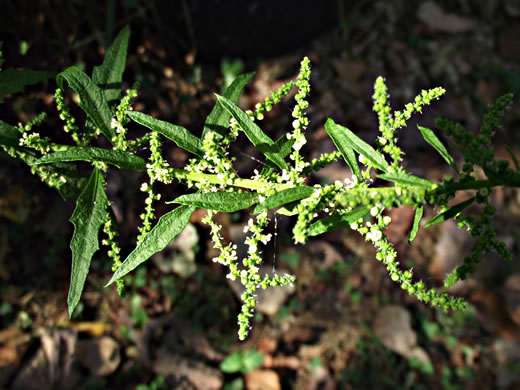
[
  {"x": 60, "y": 147},
  {"x": 181, "y": 174}
]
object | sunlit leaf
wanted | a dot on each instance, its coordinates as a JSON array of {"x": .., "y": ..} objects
[
  {"x": 242, "y": 361},
  {"x": 117, "y": 158},
  {"x": 430, "y": 137},
  {"x": 416, "y": 222},
  {"x": 109, "y": 75},
  {"x": 92, "y": 99},
  {"x": 261, "y": 140},
  {"x": 404, "y": 178},
  {"x": 341, "y": 141},
  {"x": 450, "y": 213},
  {"x": 251, "y": 359},
  {"x": 347, "y": 137},
  {"x": 218, "y": 118},
  {"x": 336, "y": 221},
  {"x": 166, "y": 229},
  {"x": 178, "y": 134},
  {"x": 283, "y": 197}
]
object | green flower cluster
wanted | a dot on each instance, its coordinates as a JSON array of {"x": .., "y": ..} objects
[
  {"x": 120, "y": 119},
  {"x": 114, "y": 251},
  {"x": 217, "y": 162},
  {"x": 389, "y": 123},
  {"x": 70, "y": 122}
]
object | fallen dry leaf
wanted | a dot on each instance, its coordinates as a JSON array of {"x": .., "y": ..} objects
[
  {"x": 262, "y": 380},
  {"x": 94, "y": 329},
  {"x": 393, "y": 327},
  {"x": 100, "y": 356},
  {"x": 436, "y": 18},
  {"x": 51, "y": 367}
]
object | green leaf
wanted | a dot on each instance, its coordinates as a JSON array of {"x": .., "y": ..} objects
[
  {"x": 88, "y": 216},
  {"x": 218, "y": 119},
  {"x": 285, "y": 196},
  {"x": 92, "y": 99},
  {"x": 416, "y": 221},
  {"x": 227, "y": 202},
  {"x": 513, "y": 157},
  {"x": 289, "y": 210},
  {"x": 450, "y": 213},
  {"x": 251, "y": 359},
  {"x": 337, "y": 221},
  {"x": 430, "y": 137},
  {"x": 166, "y": 229},
  {"x": 109, "y": 75},
  {"x": 12, "y": 81},
  {"x": 284, "y": 145},
  {"x": 232, "y": 363},
  {"x": 347, "y": 137},
  {"x": 261, "y": 140},
  {"x": 118, "y": 158},
  {"x": 242, "y": 361},
  {"x": 182, "y": 137},
  {"x": 337, "y": 135},
  {"x": 9, "y": 135},
  {"x": 404, "y": 178}
]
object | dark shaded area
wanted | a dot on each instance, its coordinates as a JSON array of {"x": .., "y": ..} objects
[{"x": 328, "y": 332}]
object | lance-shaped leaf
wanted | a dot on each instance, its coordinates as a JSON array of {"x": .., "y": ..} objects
[
  {"x": 337, "y": 135},
  {"x": 88, "y": 216},
  {"x": 416, "y": 221},
  {"x": 261, "y": 140},
  {"x": 166, "y": 229},
  {"x": 349, "y": 138},
  {"x": 450, "y": 213},
  {"x": 336, "y": 221},
  {"x": 92, "y": 99},
  {"x": 289, "y": 210},
  {"x": 227, "y": 202},
  {"x": 178, "y": 134},
  {"x": 218, "y": 119},
  {"x": 404, "y": 178},
  {"x": 9, "y": 135},
  {"x": 284, "y": 145},
  {"x": 117, "y": 158},
  {"x": 513, "y": 157},
  {"x": 283, "y": 197},
  {"x": 109, "y": 75},
  {"x": 430, "y": 137},
  {"x": 12, "y": 81}
]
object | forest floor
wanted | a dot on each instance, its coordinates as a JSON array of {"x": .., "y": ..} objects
[{"x": 344, "y": 324}]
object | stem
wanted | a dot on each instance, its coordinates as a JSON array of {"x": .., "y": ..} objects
[
  {"x": 60, "y": 147},
  {"x": 181, "y": 174}
]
